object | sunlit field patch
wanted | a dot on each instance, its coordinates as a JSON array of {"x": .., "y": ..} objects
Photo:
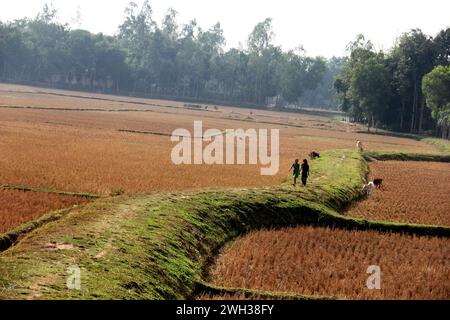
[
  {"x": 17, "y": 207},
  {"x": 322, "y": 261},
  {"x": 414, "y": 192},
  {"x": 98, "y": 152}
]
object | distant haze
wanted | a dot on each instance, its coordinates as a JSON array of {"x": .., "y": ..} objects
[{"x": 322, "y": 27}]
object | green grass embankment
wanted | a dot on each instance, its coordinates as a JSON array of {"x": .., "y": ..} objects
[
  {"x": 442, "y": 145},
  {"x": 403, "y": 156}
]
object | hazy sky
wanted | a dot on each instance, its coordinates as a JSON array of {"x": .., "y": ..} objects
[{"x": 323, "y": 27}]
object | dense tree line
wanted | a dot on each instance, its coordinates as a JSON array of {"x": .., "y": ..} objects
[
  {"x": 165, "y": 59},
  {"x": 403, "y": 89},
  {"x": 392, "y": 90},
  {"x": 45, "y": 51}
]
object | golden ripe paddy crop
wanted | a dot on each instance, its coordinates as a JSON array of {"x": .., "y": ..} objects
[
  {"x": 88, "y": 143},
  {"x": 414, "y": 192},
  {"x": 237, "y": 297},
  {"x": 17, "y": 207},
  {"x": 89, "y": 151},
  {"x": 327, "y": 262},
  {"x": 97, "y": 160}
]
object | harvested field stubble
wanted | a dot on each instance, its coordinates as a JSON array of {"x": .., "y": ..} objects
[
  {"x": 414, "y": 192},
  {"x": 322, "y": 261},
  {"x": 97, "y": 161},
  {"x": 17, "y": 207},
  {"x": 82, "y": 153},
  {"x": 236, "y": 297},
  {"x": 103, "y": 151}
]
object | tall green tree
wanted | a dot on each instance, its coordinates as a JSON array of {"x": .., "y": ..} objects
[
  {"x": 135, "y": 34},
  {"x": 370, "y": 86},
  {"x": 360, "y": 51},
  {"x": 261, "y": 37},
  {"x": 442, "y": 47},
  {"x": 394, "y": 97},
  {"x": 416, "y": 57},
  {"x": 436, "y": 88},
  {"x": 324, "y": 95}
]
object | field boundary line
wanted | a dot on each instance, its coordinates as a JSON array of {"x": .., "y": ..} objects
[
  {"x": 95, "y": 98},
  {"x": 440, "y": 144},
  {"x": 205, "y": 287},
  {"x": 77, "y": 109},
  {"x": 404, "y": 156},
  {"x": 12, "y": 237},
  {"x": 171, "y": 135},
  {"x": 59, "y": 192}
]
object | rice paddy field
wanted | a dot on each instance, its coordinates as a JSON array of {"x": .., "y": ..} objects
[
  {"x": 94, "y": 151},
  {"x": 414, "y": 192},
  {"x": 93, "y": 143},
  {"x": 322, "y": 261},
  {"x": 333, "y": 262},
  {"x": 17, "y": 207},
  {"x": 85, "y": 143}
]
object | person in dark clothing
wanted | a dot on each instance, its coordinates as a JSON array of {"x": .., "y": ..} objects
[
  {"x": 305, "y": 171},
  {"x": 296, "y": 173}
]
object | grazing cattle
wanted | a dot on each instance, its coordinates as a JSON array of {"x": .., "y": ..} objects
[{"x": 313, "y": 155}]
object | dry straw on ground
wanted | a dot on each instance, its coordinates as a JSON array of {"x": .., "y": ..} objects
[
  {"x": 414, "y": 192},
  {"x": 17, "y": 207},
  {"x": 322, "y": 261},
  {"x": 83, "y": 151}
]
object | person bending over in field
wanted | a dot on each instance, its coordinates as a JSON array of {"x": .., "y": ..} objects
[
  {"x": 375, "y": 184},
  {"x": 305, "y": 171},
  {"x": 296, "y": 167},
  {"x": 359, "y": 146}
]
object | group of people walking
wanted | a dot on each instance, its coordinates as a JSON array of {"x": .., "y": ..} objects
[
  {"x": 297, "y": 169},
  {"x": 304, "y": 167}
]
